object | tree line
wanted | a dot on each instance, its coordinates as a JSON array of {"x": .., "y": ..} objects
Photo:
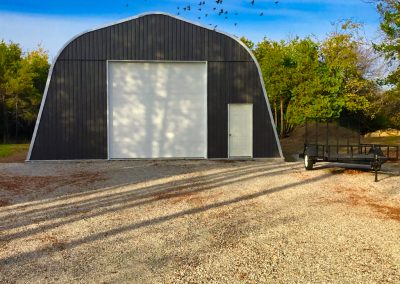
[
  {"x": 389, "y": 11},
  {"x": 23, "y": 77},
  {"x": 341, "y": 76},
  {"x": 338, "y": 77}
]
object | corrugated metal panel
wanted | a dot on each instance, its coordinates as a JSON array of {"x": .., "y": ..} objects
[{"x": 74, "y": 119}]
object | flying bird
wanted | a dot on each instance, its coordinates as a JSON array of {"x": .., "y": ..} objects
[{"x": 203, "y": 8}]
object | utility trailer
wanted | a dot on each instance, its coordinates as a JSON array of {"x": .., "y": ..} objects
[{"x": 344, "y": 146}]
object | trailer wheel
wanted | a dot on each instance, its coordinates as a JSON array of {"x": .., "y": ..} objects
[{"x": 308, "y": 163}]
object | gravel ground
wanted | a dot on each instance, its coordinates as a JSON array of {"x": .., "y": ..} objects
[{"x": 197, "y": 222}]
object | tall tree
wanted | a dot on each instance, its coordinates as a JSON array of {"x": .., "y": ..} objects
[
  {"x": 276, "y": 64},
  {"x": 10, "y": 55},
  {"x": 389, "y": 102},
  {"x": 22, "y": 81},
  {"x": 305, "y": 78},
  {"x": 344, "y": 57},
  {"x": 390, "y": 25}
]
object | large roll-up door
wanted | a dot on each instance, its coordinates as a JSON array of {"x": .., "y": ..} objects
[{"x": 157, "y": 110}]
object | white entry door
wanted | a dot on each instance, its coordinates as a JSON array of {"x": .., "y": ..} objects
[
  {"x": 240, "y": 130},
  {"x": 157, "y": 109}
]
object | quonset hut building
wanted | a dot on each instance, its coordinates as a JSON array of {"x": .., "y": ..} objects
[{"x": 154, "y": 86}]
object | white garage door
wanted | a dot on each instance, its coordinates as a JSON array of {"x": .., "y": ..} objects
[{"x": 157, "y": 110}]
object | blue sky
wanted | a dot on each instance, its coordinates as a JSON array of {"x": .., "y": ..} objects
[{"x": 53, "y": 22}]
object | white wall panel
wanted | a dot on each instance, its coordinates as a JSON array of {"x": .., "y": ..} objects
[{"x": 157, "y": 109}]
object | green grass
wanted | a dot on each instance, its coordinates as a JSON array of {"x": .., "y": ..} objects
[{"x": 7, "y": 150}]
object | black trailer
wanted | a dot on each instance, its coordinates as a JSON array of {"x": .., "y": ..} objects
[{"x": 328, "y": 141}]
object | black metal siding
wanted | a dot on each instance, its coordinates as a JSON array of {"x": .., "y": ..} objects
[{"x": 74, "y": 119}]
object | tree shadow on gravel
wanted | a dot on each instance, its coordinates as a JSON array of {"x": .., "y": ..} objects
[
  {"x": 132, "y": 198},
  {"x": 68, "y": 209},
  {"x": 39, "y": 181}
]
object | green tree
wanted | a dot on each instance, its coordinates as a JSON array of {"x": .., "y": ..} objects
[
  {"x": 247, "y": 42},
  {"x": 10, "y": 55},
  {"x": 346, "y": 62},
  {"x": 305, "y": 78},
  {"x": 276, "y": 64},
  {"x": 22, "y": 82},
  {"x": 307, "y": 82},
  {"x": 389, "y": 11},
  {"x": 389, "y": 102},
  {"x": 37, "y": 66}
]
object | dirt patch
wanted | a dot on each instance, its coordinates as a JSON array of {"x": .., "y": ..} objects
[
  {"x": 353, "y": 172},
  {"x": 303, "y": 175},
  {"x": 192, "y": 197},
  {"x": 174, "y": 197},
  {"x": 390, "y": 211},
  {"x": 242, "y": 276},
  {"x": 52, "y": 243},
  {"x": 4, "y": 203},
  {"x": 359, "y": 197},
  {"x": 18, "y": 184},
  {"x": 233, "y": 161},
  {"x": 16, "y": 158},
  {"x": 336, "y": 171}
]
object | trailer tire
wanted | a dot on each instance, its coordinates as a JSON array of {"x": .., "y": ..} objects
[{"x": 308, "y": 162}]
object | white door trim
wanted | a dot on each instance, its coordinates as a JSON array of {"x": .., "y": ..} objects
[{"x": 252, "y": 136}]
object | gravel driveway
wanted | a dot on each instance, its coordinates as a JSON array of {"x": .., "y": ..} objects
[{"x": 197, "y": 222}]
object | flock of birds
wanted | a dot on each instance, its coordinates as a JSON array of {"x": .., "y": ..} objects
[{"x": 205, "y": 9}]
